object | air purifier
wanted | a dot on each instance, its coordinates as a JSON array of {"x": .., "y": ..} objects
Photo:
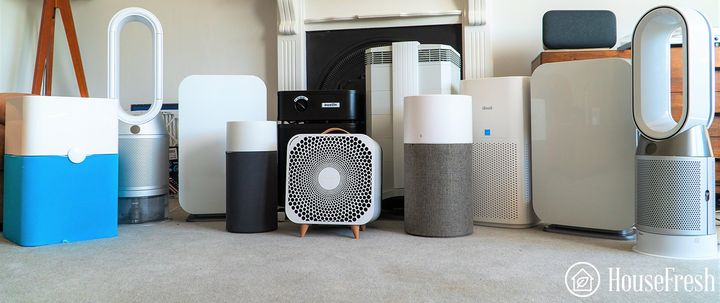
[
  {"x": 501, "y": 151},
  {"x": 438, "y": 136},
  {"x": 312, "y": 112},
  {"x": 61, "y": 170},
  {"x": 675, "y": 193},
  {"x": 582, "y": 147},
  {"x": 251, "y": 171},
  {"x": 333, "y": 179},
  {"x": 392, "y": 73},
  {"x": 143, "y": 139}
]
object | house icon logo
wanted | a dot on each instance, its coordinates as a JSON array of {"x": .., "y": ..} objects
[{"x": 582, "y": 279}]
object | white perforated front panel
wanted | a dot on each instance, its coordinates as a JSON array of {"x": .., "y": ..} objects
[
  {"x": 495, "y": 181},
  {"x": 348, "y": 195}
]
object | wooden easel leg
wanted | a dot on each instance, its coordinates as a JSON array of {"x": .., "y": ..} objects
[
  {"x": 363, "y": 227},
  {"x": 46, "y": 18},
  {"x": 303, "y": 229},
  {"x": 73, "y": 45},
  {"x": 356, "y": 231}
]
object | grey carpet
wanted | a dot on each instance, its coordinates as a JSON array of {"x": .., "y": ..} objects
[{"x": 175, "y": 261}]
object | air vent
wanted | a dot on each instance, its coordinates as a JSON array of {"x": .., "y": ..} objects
[
  {"x": 330, "y": 179},
  {"x": 439, "y": 55},
  {"x": 670, "y": 195},
  {"x": 495, "y": 179},
  {"x": 380, "y": 57}
]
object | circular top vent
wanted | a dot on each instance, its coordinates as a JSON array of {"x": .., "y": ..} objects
[{"x": 329, "y": 179}]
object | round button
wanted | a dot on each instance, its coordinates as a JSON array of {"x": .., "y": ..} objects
[
  {"x": 135, "y": 129},
  {"x": 301, "y": 105},
  {"x": 651, "y": 148},
  {"x": 76, "y": 155},
  {"x": 329, "y": 178}
]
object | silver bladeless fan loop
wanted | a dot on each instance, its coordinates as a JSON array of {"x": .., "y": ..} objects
[{"x": 118, "y": 22}]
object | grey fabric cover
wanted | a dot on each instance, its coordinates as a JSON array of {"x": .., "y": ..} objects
[{"x": 438, "y": 188}]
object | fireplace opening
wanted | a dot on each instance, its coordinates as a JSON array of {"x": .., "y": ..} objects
[{"x": 336, "y": 58}]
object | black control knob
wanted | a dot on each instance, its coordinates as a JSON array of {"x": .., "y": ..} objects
[{"x": 301, "y": 103}]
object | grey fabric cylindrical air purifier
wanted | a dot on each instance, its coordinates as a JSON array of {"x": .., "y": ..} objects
[
  {"x": 438, "y": 165},
  {"x": 251, "y": 176}
]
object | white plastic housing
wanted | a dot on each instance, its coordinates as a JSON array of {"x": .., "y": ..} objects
[
  {"x": 80, "y": 126},
  {"x": 583, "y": 144},
  {"x": 438, "y": 119},
  {"x": 117, "y": 23},
  {"x": 651, "y": 72},
  {"x": 251, "y": 136},
  {"x": 329, "y": 175},
  {"x": 395, "y": 72},
  {"x": 501, "y": 150},
  {"x": 206, "y": 104}
]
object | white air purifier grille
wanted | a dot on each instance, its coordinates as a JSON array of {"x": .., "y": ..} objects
[
  {"x": 439, "y": 55},
  {"x": 671, "y": 194},
  {"x": 378, "y": 57},
  {"x": 333, "y": 179},
  {"x": 495, "y": 180}
]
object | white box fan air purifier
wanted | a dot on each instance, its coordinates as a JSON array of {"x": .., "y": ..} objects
[
  {"x": 333, "y": 179},
  {"x": 393, "y": 73},
  {"x": 675, "y": 189},
  {"x": 143, "y": 139}
]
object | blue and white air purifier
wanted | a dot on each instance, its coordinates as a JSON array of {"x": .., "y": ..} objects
[{"x": 61, "y": 169}]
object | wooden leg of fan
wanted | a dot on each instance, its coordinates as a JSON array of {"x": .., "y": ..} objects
[
  {"x": 363, "y": 227},
  {"x": 356, "y": 231},
  {"x": 303, "y": 229}
]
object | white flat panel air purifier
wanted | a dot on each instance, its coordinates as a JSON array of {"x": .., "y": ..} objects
[
  {"x": 333, "y": 179},
  {"x": 675, "y": 192},
  {"x": 392, "y": 73},
  {"x": 206, "y": 104},
  {"x": 583, "y": 144},
  {"x": 501, "y": 151}
]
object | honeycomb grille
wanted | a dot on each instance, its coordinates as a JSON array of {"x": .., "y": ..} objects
[
  {"x": 495, "y": 179},
  {"x": 670, "y": 194},
  {"x": 345, "y": 203}
]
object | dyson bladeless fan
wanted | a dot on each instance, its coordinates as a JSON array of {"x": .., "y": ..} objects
[
  {"x": 675, "y": 190},
  {"x": 143, "y": 139}
]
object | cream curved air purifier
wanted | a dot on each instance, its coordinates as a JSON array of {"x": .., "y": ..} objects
[
  {"x": 501, "y": 151},
  {"x": 675, "y": 205},
  {"x": 333, "y": 179},
  {"x": 143, "y": 139}
]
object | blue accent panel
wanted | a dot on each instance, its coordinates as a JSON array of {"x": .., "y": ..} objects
[
  {"x": 49, "y": 199},
  {"x": 487, "y": 131}
]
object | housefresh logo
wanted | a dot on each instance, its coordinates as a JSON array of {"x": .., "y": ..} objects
[{"x": 582, "y": 280}]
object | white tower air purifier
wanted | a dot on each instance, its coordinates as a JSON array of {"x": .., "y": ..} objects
[
  {"x": 393, "y": 73},
  {"x": 501, "y": 151},
  {"x": 675, "y": 189},
  {"x": 333, "y": 179},
  {"x": 143, "y": 139}
]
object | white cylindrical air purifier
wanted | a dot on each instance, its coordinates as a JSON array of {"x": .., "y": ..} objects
[{"x": 438, "y": 137}]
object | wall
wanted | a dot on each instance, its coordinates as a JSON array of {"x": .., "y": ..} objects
[
  {"x": 239, "y": 37},
  {"x": 201, "y": 37},
  {"x": 517, "y": 32},
  {"x": 18, "y": 42}
]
